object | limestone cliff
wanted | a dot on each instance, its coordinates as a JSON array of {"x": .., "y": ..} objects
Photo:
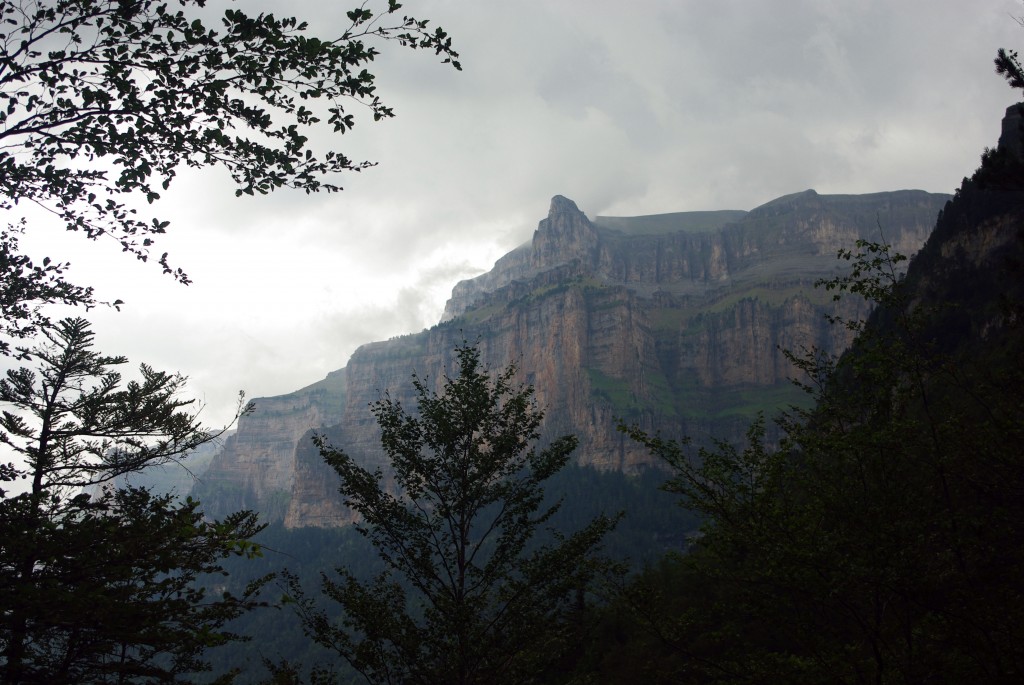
[
  {"x": 674, "y": 321},
  {"x": 256, "y": 467}
]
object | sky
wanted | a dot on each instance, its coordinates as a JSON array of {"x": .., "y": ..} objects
[{"x": 634, "y": 108}]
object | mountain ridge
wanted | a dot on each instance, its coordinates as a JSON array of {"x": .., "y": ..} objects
[{"x": 677, "y": 330}]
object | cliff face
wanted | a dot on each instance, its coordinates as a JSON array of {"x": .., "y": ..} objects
[
  {"x": 674, "y": 322},
  {"x": 686, "y": 254},
  {"x": 256, "y": 469}
]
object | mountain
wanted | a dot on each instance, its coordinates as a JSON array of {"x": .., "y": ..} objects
[{"x": 675, "y": 322}]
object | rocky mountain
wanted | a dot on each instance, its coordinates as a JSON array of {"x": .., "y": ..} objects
[{"x": 675, "y": 322}]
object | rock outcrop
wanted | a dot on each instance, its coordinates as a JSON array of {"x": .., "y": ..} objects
[{"x": 674, "y": 322}]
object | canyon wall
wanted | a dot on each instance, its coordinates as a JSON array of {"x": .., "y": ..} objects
[{"x": 675, "y": 322}]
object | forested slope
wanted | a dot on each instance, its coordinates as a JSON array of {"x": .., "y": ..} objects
[{"x": 882, "y": 540}]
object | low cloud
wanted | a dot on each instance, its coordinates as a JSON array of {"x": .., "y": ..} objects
[{"x": 639, "y": 109}]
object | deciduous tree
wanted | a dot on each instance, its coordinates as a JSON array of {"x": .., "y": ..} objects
[
  {"x": 102, "y": 102},
  {"x": 482, "y": 600}
]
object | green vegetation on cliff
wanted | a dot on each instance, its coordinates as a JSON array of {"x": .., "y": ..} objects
[{"x": 881, "y": 540}]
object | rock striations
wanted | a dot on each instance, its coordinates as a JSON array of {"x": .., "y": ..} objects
[{"x": 674, "y": 321}]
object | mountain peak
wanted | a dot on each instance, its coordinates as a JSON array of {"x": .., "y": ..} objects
[
  {"x": 562, "y": 205},
  {"x": 566, "y": 234}
]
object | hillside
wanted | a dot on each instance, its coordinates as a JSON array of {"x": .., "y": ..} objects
[{"x": 881, "y": 542}]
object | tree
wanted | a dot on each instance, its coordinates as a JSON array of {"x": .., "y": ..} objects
[
  {"x": 103, "y": 101},
  {"x": 880, "y": 541},
  {"x": 97, "y": 583},
  {"x": 1008, "y": 66},
  {"x": 483, "y": 601}
]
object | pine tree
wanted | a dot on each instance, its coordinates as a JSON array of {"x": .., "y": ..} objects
[{"x": 97, "y": 583}]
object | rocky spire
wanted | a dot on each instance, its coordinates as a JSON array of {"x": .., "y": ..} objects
[
  {"x": 565, "y": 235},
  {"x": 561, "y": 205}
]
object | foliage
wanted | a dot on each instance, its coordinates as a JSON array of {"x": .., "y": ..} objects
[
  {"x": 26, "y": 287},
  {"x": 103, "y": 101},
  {"x": 1008, "y": 66},
  {"x": 97, "y": 582},
  {"x": 651, "y": 525},
  {"x": 880, "y": 541},
  {"x": 484, "y": 605}
]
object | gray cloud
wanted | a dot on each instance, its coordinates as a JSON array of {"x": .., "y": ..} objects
[{"x": 634, "y": 108}]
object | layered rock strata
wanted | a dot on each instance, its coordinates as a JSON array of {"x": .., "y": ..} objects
[{"x": 675, "y": 322}]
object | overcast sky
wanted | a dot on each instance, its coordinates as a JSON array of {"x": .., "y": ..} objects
[{"x": 628, "y": 108}]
